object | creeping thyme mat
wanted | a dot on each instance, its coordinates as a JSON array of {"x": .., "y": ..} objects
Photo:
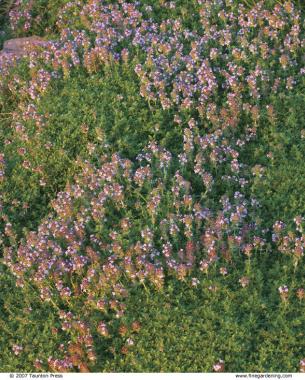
[{"x": 152, "y": 181}]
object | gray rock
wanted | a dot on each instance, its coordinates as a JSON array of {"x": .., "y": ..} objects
[
  {"x": 20, "y": 46},
  {"x": 17, "y": 48}
]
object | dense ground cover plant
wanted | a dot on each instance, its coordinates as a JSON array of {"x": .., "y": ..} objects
[
  {"x": 139, "y": 153},
  {"x": 5, "y": 6},
  {"x": 26, "y": 328},
  {"x": 49, "y": 150},
  {"x": 281, "y": 152}
]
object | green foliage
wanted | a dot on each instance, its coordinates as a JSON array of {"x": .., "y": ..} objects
[
  {"x": 280, "y": 149},
  {"x": 184, "y": 328},
  {"x": 5, "y": 6},
  {"x": 102, "y": 112},
  {"x": 187, "y": 329},
  {"x": 24, "y": 322},
  {"x": 5, "y": 31}
]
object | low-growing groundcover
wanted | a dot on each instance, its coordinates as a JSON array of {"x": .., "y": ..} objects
[{"x": 152, "y": 181}]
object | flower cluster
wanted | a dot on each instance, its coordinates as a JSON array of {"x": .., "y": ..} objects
[
  {"x": 17, "y": 349},
  {"x": 289, "y": 242},
  {"x": 87, "y": 250},
  {"x": 219, "y": 366},
  {"x": 167, "y": 213},
  {"x": 283, "y": 290}
]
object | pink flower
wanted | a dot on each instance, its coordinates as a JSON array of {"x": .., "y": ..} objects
[
  {"x": 219, "y": 366},
  {"x": 244, "y": 281},
  {"x": 17, "y": 349}
]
